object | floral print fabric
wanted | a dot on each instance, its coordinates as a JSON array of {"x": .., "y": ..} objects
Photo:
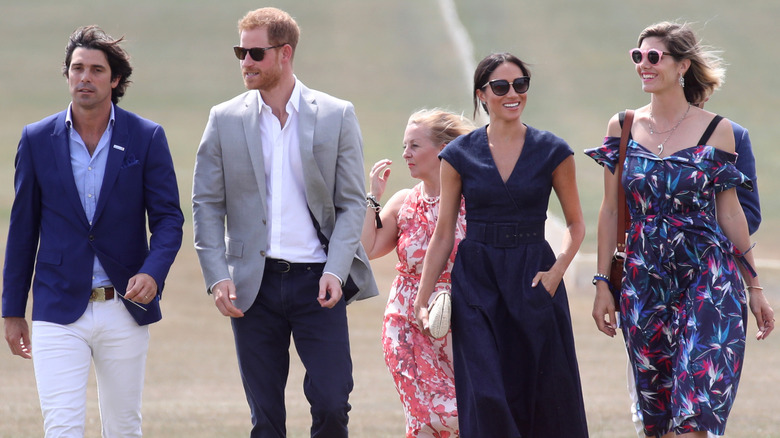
[
  {"x": 682, "y": 306},
  {"x": 420, "y": 365}
]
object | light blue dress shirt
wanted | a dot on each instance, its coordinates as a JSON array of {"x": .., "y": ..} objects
[{"x": 88, "y": 174}]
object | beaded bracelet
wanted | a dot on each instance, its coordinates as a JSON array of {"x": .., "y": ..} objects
[{"x": 600, "y": 277}]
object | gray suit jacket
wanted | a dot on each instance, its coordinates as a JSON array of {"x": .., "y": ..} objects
[{"x": 229, "y": 191}]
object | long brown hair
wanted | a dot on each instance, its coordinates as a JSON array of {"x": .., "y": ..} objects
[{"x": 706, "y": 73}]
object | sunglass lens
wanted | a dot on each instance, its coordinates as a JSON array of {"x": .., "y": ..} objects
[
  {"x": 636, "y": 56},
  {"x": 256, "y": 53},
  {"x": 653, "y": 56},
  {"x": 521, "y": 85},
  {"x": 500, "y": 88}
]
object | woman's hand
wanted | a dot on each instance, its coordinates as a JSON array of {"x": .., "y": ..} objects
[
  {"x": 765, "y": 315},
  {"x": 378, "y": 177},
  {"x": 421, "y": 314},
  {"x": 549, "y": 279},
  {"x": 604, "y": 312}
]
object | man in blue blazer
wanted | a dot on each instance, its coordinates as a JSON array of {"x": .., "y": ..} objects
[
  {"x": 746, "y": 163},
  {"x": 87, "y": 181}
]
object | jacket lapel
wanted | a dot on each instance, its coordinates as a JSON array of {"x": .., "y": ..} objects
[
  {"x": 251, "y": 122},
  {"x": 316, "y": 189},
  {"x": 117, "y": 149},
  {"x": 61, "y": 154}
]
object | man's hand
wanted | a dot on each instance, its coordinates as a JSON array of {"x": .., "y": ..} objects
[
  {"x": 330, "y": 290},
  {"x": 17, "y": 334},
  {"x": 224, "y": 294},
  {"x": 141, "y": 288}
]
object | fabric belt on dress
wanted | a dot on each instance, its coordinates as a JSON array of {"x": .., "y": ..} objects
[
  {"x": 505, "y": 235},
  {"x": 102, "y": 294},
  {"x": 280, "y": 266}
]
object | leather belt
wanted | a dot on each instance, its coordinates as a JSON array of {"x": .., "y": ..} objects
[
  {"x": 505, "y": 235},
  {"x": 280, "y": 266},
  {"x": 102, "y": 294}
]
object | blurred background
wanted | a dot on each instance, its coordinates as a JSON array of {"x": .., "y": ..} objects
[{"x": 389, "y": 58}]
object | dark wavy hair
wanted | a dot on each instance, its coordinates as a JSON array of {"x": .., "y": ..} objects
[
  {"x": 92, "y": 37},
  {"x": 486, "y": 68}
]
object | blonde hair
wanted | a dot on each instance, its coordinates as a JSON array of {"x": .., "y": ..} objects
[
  {"x": 282, "y": 28},
  {"x": 707, "y": 71},
  {"x": 444, "y": 126}
]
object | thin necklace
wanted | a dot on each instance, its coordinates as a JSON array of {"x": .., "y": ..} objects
[{"x": 670, "y": 131}]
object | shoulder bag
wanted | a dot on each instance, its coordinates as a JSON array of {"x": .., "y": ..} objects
[{"x": 616, "y": 271}]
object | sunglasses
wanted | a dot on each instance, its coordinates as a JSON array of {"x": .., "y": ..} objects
[
  {"x": 653, "y": 56},
  {"x": 501, "y": 86},
  {"x": 257, "y": 53}
]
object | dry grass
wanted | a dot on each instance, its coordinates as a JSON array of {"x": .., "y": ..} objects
[{"x": 193, "y": 389}]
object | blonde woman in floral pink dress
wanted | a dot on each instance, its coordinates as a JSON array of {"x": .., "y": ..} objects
[{"x": 420, "y": 365}]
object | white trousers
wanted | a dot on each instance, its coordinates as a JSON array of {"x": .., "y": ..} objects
[{"x": 107, "y": 335}]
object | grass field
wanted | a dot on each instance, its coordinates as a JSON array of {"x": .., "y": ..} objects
[{"x": 389, "y": 58}]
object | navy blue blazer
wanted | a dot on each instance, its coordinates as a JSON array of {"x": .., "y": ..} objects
[
  {"x": 746, "y": 163},
  {"x": 49, "y": 232}
]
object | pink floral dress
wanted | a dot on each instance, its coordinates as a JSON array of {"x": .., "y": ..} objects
[{"x": 421, "y": 366}]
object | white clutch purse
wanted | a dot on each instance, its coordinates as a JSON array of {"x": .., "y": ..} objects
[{"x": 439, "y": 315}]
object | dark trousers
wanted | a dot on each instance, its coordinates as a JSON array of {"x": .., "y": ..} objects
[{"x": 287, "y": 305}]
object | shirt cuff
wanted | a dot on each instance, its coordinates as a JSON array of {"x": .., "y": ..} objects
[
  {"x": 211, "y": 288},
  {"x": 341, "y": 282}
]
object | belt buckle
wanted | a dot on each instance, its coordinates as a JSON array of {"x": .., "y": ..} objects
[
  {"x": 506, "y": 235},
  {"x": 287, "y": 266},
  {"x": 98, "y": 294}
]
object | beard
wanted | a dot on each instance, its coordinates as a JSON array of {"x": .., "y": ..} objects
[{"x": 264, "y": 80}]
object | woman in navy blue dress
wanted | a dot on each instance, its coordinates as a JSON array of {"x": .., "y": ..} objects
[{"x": 516, "y": 371}]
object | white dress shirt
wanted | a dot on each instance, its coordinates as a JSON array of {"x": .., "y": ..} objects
[{"x": 291, "y": 232}]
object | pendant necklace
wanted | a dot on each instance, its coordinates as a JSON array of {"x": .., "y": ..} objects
[{"x": 670, "y": 131}]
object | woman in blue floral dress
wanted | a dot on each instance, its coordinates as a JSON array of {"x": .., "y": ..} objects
[{"x": 683, "y": 304}]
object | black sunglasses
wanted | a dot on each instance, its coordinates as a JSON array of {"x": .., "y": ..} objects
[
  {"x": 501, "y": 86},
  {"x": 653, "y": 56},
  {"x": 257, "y": 53}
]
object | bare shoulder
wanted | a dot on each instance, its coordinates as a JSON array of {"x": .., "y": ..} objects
[
  {"x": 395, "y": 201},
  {"x": 614, "y": 127},
  {"x": 723, "y": 136}
]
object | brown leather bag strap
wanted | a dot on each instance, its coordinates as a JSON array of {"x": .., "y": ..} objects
[{"x": 622, "y": 205}]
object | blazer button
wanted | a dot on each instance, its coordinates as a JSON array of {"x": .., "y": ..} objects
[
  {"x": 262, "y": 253},
  {"x": 91, "y": 238}
]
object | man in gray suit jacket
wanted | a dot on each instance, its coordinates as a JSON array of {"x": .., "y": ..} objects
[{"x": 278, "y": 205}]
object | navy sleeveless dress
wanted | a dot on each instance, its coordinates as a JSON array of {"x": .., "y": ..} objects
[{"x": 516, "y": 372}]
